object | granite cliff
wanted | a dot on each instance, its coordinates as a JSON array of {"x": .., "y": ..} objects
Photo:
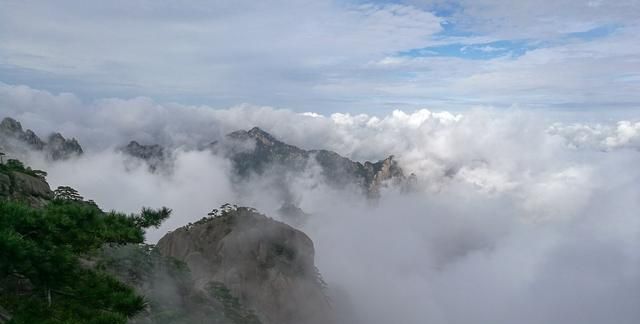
[{"x": 267, "y": 265}]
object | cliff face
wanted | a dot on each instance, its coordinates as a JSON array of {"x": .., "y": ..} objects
[
  {"x": 16, "y": 140},
  {"x": 24, "y": 187},
  {"x": 267, "y": 265}
]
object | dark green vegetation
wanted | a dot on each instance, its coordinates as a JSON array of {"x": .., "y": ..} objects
[
  {"x": 13, "y": 165},
  {"x": 45, "y": 262},
  {"x": 64, "y": 260},
  {"x": 46, "y": 271}
]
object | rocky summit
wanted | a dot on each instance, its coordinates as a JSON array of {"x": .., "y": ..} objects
[
  {"x": 154, "y": 155},
  {"x": 15, "y": 140},
  {"x": 256, "y": 151},
  {"x": 267, "y": 265}
]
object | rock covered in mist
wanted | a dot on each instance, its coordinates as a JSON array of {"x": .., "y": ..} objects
[
  {"x": 154, "y": 155},
  {"x": 60, "y": 148},
  {"x": 170, "y": 290},
  {"x": 267, "y": 265},
  {"x": 267, "y": 154},
  {"x": 293, "y": 214},
  {"x": 16, "y": 140}
]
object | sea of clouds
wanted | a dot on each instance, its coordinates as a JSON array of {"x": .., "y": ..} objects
[{"x": 517, "y": 218}]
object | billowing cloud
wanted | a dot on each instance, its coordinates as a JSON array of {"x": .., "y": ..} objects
[{"x": 517, "y": 218}]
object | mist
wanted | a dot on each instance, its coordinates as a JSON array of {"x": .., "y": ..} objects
[{"x": 517, "y": 217}]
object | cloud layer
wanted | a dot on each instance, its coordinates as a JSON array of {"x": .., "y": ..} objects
[
  {"x": 518, "y": 218},
  {"x": 330, "y": 56}
]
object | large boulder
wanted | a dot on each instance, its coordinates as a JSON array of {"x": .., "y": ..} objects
[{"x": 267, "y": 265}]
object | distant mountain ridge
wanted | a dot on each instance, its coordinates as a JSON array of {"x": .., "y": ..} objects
[
  {"x": 14, "y": 139},
  {"x": 252, "y": 152},
  {"x": 338, "y": 170},
  {"x": 257, "y": 152},
  {"x": 154, "y": 155}
]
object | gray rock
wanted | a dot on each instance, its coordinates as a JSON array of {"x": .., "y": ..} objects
[
  {"x": 269, "y": 155},
  {"x": 154, "y": 155},
  {"x": 30, "y": 189},
  {"x": 16, "y": 140},
  {"x": 59, "y": 148},
  {"x": 267, "y": 264},
  {"x": 31, "y": 186},
  {"x": 26, "y": 188}
]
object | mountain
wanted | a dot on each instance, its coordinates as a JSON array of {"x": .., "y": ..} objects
[
  {"x": 266, "y": 264},
  {"x": 15, "y": 140},
  {"x": 154, "y": 155},
  {"x": 235, "y": 267},
  {"x": 256, "y": 151}
]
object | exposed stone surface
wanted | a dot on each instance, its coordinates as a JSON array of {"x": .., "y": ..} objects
[
  {"x": 16, "y": 140},
  {"x": 24, "y": 187},
  {"x": 267, "y": 264}
]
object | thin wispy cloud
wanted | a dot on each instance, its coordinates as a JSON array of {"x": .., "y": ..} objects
[{"x": 323, "y": 55}]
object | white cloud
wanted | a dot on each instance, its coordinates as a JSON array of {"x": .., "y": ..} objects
[
  {"x": 325, "y": 56},
  {"x": 516, "y": 220}
]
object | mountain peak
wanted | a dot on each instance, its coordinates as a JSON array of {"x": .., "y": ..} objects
[
  {"x": 255, "y": 133},
  {"x": 16, "y": 140},
  {"x": 10, "y": 125},
  {"x": 262, "y": 136}
]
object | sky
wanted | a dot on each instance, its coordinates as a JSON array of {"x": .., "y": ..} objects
[
  {"x": 330, "y": 56},
  {"x": 523, "y": 212}
]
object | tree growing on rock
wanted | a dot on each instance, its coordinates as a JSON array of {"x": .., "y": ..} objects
[{"x": 67, "y": 193}]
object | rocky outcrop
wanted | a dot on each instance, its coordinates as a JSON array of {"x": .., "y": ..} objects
[
  {"x": 264, "y": 153},
  {"x": 59, "y": 148},
  {"x": 19, "y": 186},
  {"x": 16, "y": 140},
  {"x": 267, "y": 265},
  {"x": 154, "y": 155}
]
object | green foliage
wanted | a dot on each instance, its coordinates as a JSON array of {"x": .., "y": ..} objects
[
  {"x": 13, "y": 165},
  {"x": 67, "y": 193},
  {"x": 149, "y": 217},
  {"x": 45, "y": 273}
]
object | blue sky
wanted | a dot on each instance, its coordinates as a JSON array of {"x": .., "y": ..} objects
[{"x": 328, "y": 56}]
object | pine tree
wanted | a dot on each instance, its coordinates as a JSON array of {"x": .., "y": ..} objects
[
  {"x": 67, "y": 193},
  {"x": 45, "y": 270}
]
